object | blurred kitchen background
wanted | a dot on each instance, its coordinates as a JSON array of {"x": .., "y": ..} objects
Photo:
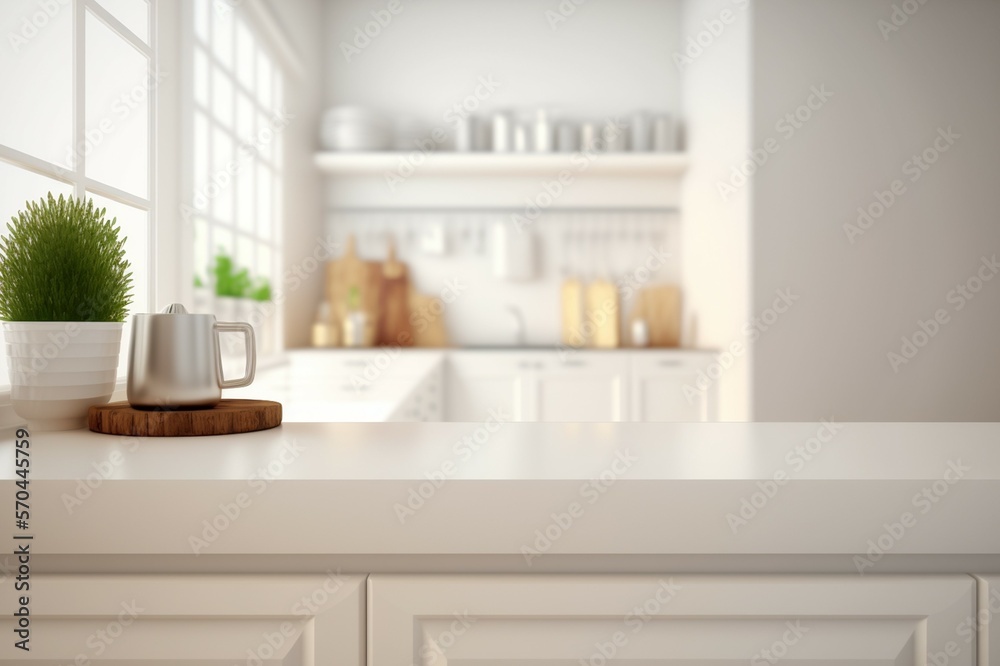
[{"x": 639, "y": 210}]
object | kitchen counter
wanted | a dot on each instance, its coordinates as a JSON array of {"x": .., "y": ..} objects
[{"x": 503, "y": 496}]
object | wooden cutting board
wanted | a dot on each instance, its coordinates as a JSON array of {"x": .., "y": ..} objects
[
  {"x": 394, "y": 319},
  {"x": 427, "y": 321},
  {"x": 660, "y": 306},
  {"x": 227, "y": 418},
  {"x": 602, "y": 312},
  {"x": 572, "y": 313},
  {"x": 352, "y": 271}
]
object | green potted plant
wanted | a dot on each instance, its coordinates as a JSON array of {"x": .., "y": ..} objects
[
  {"x": 231, "y": 287},
  {"x": 65, "y": 290},
  {"x": 261, "y": 313}
]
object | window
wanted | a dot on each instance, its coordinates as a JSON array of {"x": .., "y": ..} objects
[
  {"x": 235, "y": 168},
  {"x": 81, "y": 78}
]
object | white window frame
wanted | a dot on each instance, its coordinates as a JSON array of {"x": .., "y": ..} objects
[{"x": 75, "y": 174}]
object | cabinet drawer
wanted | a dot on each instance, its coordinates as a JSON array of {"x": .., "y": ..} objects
[
  {"x": 198, "y": 620},
  {"x": 667, "y": 619}
]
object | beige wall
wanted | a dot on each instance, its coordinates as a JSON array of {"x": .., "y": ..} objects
[
  {"x": 893, "y": 90},
  {"x": 303, "y": 226}
]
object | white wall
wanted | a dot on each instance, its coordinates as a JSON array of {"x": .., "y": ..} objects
[
  {"x": 716, "y": 95},
  {"x": 827, "y": 356},
  {"x": 607, "y": 57}
]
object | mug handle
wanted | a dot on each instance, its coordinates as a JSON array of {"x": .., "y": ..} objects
[{"x": 251, "y": 343}]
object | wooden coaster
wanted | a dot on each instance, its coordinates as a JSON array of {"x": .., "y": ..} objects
[{"x": 226, "y": 418}]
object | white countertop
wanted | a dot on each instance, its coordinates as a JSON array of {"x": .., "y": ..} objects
[{"x": 342, "y": 489}]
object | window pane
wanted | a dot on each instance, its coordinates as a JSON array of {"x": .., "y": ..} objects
[
  {"x": 246, "y": 202},
  {"x": 201, "y": 163},
  {"x": 117, "y": 110},
  {"x": 222, "y": 239},
  {"x": 264, "y": 268},
  {"x": 222, "y": 32},
  {"x": 134, "y": 15},
  {"x": 21, "y": 186},
  {"x": 265, "y": 217},
  {"x": 222, "y": 97},
  {"x": 278, "y": 85},
  {"x": 266, "y": 137},
  {"x": 241, "y": 152},
  {"x": 219, "y": 187},
  {"x": 202, "y": 18},
  {"x": 201, "y": 73},
  {"x": 244, "y": 55},
  {"x": 264, "y": 90},
  {"x": 245, "y": 113},
  {"x": 276, "y": 207},
  {"x": 202, "y": 260},
  {"x": 36, "y": 75},
  {"x": 134, "y": 225},
  {"x": 245, "y": 255}
]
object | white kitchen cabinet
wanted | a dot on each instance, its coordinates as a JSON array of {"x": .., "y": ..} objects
[
  {"x": 988, "y": 620},
  {"x": 537, "y": 385},
  {"x": 580, "y": 386},
  {"x": 197, "y": 620},
  {"x": 596, "y": 619},
  {"x": 585, "y": 385},
  {"x": 480, "y": 383},
  {"x": 665, "y": 386}
]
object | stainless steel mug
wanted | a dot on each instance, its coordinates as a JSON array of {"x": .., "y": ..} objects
[{"x": 175, "y": 361}]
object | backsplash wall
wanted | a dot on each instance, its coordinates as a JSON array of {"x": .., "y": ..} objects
[{"x": 614, "y": 244}]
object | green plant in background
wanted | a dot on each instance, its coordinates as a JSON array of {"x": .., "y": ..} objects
[
  {"x": 237, "y": 283},
  {"x": 198, "y": 282},
  {"x": 229, "y": 281},
  {"x": 63, "y": 261},
  {"x": 262, "y": 291},
  {"x": 223, "y": 272}
]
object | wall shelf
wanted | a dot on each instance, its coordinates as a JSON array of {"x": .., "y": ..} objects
[{"x": 653, "y": 165}]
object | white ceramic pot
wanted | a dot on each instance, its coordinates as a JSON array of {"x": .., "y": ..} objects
[
  {"x": 59, "y": 369},
  {"x": 203, "y": 298},
  {"x": 226, "y": 308}
]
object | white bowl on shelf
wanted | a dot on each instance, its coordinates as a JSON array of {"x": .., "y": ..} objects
[{"x": 352, "y": 128}]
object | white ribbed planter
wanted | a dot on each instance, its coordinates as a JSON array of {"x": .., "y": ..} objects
[{"x": 58, "y": 369}]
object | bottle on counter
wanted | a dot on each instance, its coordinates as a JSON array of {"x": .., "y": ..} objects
[
  {"x": 325, "y": 332},
  {"x": 355, "y": 321},
  {"x": 640, "y": 333}
]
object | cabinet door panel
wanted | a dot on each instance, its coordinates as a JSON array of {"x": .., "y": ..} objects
[
  {"x": 704, "y": 620},
  {"x": 198, "y": 620},
  {"x": 584, "y": 386},
  {"x": 480, "y": 383},
  {"x": 572, "y": 398},
  {"x": 665, "y": 387},
  {"x": 662, "y": 399}
]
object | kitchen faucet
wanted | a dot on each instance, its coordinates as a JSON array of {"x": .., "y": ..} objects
[{"x": 518, "y": 316}]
